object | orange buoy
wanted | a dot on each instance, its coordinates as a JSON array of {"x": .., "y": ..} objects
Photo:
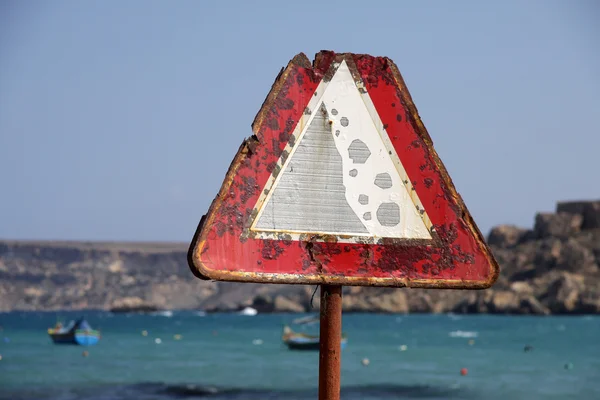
[{"x": 464, "y": 371}]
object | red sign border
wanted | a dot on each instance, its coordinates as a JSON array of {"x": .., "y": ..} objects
[{"x": 195, "y": 252}]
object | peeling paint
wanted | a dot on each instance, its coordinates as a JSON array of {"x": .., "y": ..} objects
[{"x": 224, "y": 248}]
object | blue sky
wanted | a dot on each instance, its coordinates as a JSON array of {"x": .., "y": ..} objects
[{"x": 118, "y": 120}]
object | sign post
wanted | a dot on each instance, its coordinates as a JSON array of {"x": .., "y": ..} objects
[
  {"x": 340, "y": 185},
  {"x": 329, "y": 345}
]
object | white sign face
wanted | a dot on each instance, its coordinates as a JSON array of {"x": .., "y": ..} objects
[{"x": 342, "y": 176}]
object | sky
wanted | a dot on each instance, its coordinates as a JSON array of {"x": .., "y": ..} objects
[{"x": 118, "y": 120}]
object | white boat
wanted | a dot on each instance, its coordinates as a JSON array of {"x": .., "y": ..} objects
[{"x": 248, "y": 311}]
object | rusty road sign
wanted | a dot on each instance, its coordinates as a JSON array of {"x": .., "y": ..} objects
[{"x": 340, "y": 185}]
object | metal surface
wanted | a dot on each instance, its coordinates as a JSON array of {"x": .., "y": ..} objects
[
  {"x": 420, "y": 235},
  {"x": 330, "y": 338}
]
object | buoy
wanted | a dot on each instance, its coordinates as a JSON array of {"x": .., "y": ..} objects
[
  {"x": 365, "y": 361},
  {"x": 157, "y": 340},
  {"x": 464, "y": 371},
  {"x": 177, "y": 337},
  {"x": 144, "y": 333},
  {"x": 85, "y": 353},
  {"x": 569, "y": 366},
  {"x": 403, "y": 347},
  {"x": 471, "y": 342}
]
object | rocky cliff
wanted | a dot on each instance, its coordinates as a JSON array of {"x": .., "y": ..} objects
[{"x": 552, "y": 268}]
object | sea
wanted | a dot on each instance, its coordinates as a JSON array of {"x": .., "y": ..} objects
[{"x": 191, "y": 355}]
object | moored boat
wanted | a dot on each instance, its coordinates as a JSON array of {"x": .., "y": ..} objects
[
  {"x": 303, "y": 341},
  {"x": 76, "y": 332}
]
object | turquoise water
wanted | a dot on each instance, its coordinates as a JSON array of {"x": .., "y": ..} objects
[{"x": 226, "y": 356}]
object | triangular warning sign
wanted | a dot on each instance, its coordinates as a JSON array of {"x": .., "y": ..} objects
[
  {"x": 342, "y": 175},
  {"x": 340, "y": 184}
]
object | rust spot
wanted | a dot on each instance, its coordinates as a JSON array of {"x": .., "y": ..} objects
[
  {"x": 248, "y": 188},
  {"x": 252, "y": 143},
  {"x": 271, "y": 249},
  {"x": 276, "y": 169},
  {"x": 428, "y": 182},
  {"x": 398, "y": 117},
  {"x": 426, "y": 267},
  {"x": 221, "y": 228},
  {"x": 276, "y": 147},
  {"x": 305, "y": 264},
  {"x": 205, "y": 249},
  {"x": 285, "y": 103}
]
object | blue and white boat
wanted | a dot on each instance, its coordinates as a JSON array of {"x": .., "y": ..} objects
[
  {"x": 304, "y": 341},
  {"x": 76, "y": 332}
]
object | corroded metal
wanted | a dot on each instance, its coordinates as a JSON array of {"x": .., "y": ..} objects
[
  {"x": 330, "y": 354},
  {"x": 226, "y": 248}
]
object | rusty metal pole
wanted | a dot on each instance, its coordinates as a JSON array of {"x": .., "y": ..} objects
[{"x": 330, "y": 342}]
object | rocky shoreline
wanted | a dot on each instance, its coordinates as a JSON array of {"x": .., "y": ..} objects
[{"x": 552, "y": 268}]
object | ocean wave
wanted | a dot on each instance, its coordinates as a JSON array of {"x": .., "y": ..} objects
[
  {"x": 463, "y": 334},
  {"x": 164, "y": 313},
  {"x": 163, "y": 391}
]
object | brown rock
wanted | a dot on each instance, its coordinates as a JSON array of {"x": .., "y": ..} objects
[
  {"x": 547, "y": 254},
  {"x": 560, "y": 225},
  {"x": 506, "y": 235},
  {"x": 394, "y": 302},
  {"x": 589, "y": 210},
  {"x": 283, "y": 304},
  {"x": 504, "y": 302},
  {"x": 131, "y": 304},
  {"x": 380, "y": 300},
  {"x": 590, "y": 239},
  {"x": 589, "y": 301},
  {"x": 562, "y": 295},
  {"x": 353, "y": 303},
  {"x": 591, "y": 216},
  {"x": 531, "y": 305},
  {"x": 575, "y": 257},
  {"x": 522, "y": 288},
  {"x": 472, "y": 303},
  {"x": 420, "y": 302}
]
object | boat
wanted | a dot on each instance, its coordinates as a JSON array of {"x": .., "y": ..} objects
[
  {"x": 248, "y": 311},
  {"x": 303, "y": 341},
  {"x": 76, "y": 332}
]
